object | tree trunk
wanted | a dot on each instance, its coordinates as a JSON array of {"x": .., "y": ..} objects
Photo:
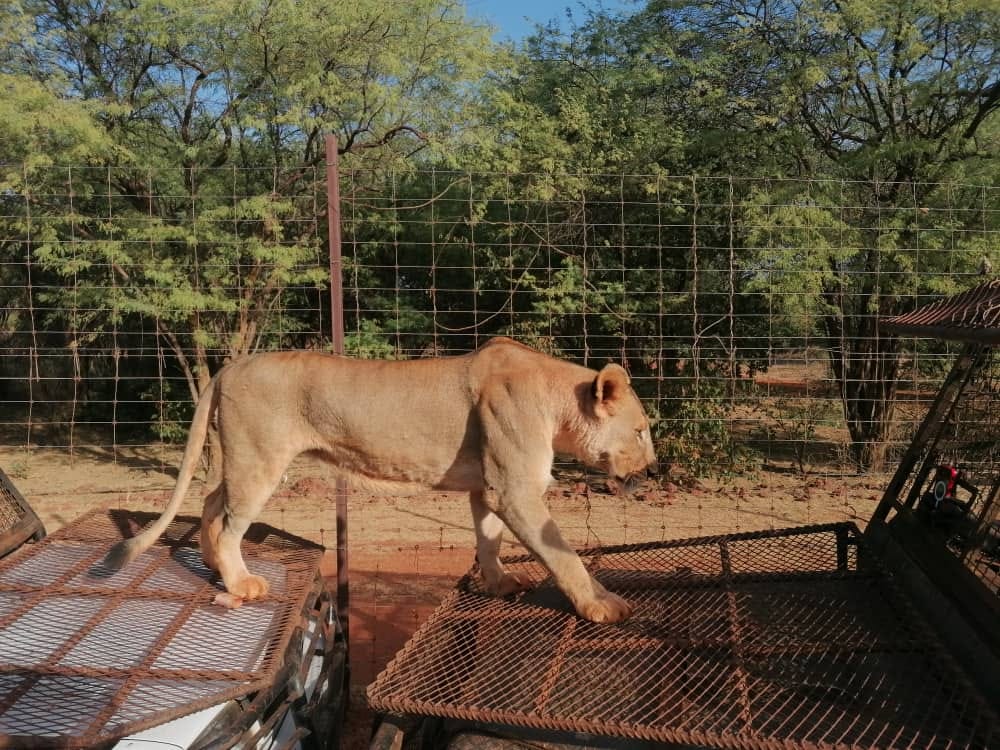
[{"x": 866, "y": 370}]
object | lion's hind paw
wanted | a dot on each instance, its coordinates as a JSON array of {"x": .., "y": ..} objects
[{"x": 249, "y": 587}]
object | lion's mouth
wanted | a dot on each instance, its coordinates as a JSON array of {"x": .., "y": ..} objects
[{"x": 629, "y": 483}]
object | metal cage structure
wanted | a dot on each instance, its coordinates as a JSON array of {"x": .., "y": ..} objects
[
  {"x": 89, "y": 655},
  {"x": 942, "y": 507},
  {"x": 816, "y": 637}
]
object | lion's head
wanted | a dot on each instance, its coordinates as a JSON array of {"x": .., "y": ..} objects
[{"x": 616, "y": 434}]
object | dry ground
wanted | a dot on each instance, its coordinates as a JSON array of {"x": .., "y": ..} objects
[{"x": 406, "y": 553}]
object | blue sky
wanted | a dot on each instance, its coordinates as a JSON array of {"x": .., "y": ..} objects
[{"x": 514, "y": 19}]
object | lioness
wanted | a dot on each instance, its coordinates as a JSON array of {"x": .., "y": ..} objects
[{"x": 488, "y": 423}]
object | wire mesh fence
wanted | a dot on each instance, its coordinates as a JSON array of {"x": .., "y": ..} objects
[
  {"x": 719, "y": 294},
  {"x": 745, "y": 310},
  {"x": 123, "y": 291}
]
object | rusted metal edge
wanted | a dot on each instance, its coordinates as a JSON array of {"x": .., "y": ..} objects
[
  {"x": 29, "y": 526},
  {"x": 160, "y": 717},
  {"x": 706, "y": 541},
  {"x": 984, "y": 336}
]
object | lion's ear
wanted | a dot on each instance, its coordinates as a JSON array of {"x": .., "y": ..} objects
[{"x": 610, "y": 385}]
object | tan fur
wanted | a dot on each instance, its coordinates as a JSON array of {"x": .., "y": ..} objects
[{"x": 488, "y": 423}]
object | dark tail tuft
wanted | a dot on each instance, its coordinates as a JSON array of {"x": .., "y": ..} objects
[{"x": 121, "y": 554}]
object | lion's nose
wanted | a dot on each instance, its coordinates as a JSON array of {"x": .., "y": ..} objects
[{"x": 652, "y": 469}]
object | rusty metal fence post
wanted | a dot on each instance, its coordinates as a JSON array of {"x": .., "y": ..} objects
[{"x": 337, "y": 332}]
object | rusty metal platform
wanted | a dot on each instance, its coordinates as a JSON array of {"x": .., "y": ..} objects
[
  {"x": 972, "y": 316},
  {"x": 783, "y": 639},
  {"x": 88, "y": 655}
]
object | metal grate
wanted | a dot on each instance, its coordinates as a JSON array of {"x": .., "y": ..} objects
[
  {"x": 972, "y": 316},
  {"x": 965, "y": 435},
  {"x": 87, "y": 656},
  {"x": 774, "y": 639}
]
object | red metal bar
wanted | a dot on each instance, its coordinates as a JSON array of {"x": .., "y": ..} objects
[
  {"x": 337, "y": 334},
  {"x": 333, "y": 225}
]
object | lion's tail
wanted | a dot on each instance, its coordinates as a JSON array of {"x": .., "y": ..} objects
[{"x": 128, "y": 549}]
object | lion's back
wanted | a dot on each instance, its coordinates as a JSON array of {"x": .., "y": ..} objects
[{"x": 505, "y": 358}]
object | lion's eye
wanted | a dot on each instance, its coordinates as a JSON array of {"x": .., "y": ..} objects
[{"x": 639, "y": 435}]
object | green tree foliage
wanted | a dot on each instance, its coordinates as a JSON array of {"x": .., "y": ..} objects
[
  {"x": 899, "y": 100},
  {"x": 38, "y": 128},
  {"x": 214, "y": 82},
  {"x": 893, "y": 102},
  {"x": 209, "y": 119},
  {"x": 483, "y": 188}
]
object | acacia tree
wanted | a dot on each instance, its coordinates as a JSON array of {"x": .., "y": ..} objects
[
  {"x": 895, "y": 101},
  {"x": 205, "y": 222},
  {"x": 899, "y": 100},
  {"x": 35, "y": 125}
]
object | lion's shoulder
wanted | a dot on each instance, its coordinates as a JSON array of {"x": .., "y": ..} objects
[
  {"x": 504, "y": 354},
  {"x": 503, "y": 364}
]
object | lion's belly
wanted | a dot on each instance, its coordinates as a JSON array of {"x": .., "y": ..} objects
[
  {"x": 397, "y": 428},
  {"x": 385, "y": 454},
  {"x": 399, "y": 473}
]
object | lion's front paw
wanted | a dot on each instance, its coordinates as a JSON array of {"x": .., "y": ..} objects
[
  {"x": 605, "y": 607},
  {"x": 509, "y": 583},
  {"x": 249, "y": 587}
]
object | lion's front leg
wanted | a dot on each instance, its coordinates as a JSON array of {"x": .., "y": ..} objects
[
  {"x": 489, "y": 533},
  {"x": 526, "y": 516}
]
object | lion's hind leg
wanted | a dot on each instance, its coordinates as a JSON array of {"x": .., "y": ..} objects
[
  {"x": 244, "y": 496},
  {"x": 211, "y": 526}
]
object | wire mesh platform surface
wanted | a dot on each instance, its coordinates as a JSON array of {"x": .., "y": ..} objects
[
  {"x": 973, "y": 316},
  {"x": 87, "y": 656},
  {"x": 791, "y": 639}
]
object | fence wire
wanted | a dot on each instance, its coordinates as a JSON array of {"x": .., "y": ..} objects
[{"x": 744, "y": 308}]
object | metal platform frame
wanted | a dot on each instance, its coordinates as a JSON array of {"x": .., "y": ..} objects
[{"x": 89, "y": 655}]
